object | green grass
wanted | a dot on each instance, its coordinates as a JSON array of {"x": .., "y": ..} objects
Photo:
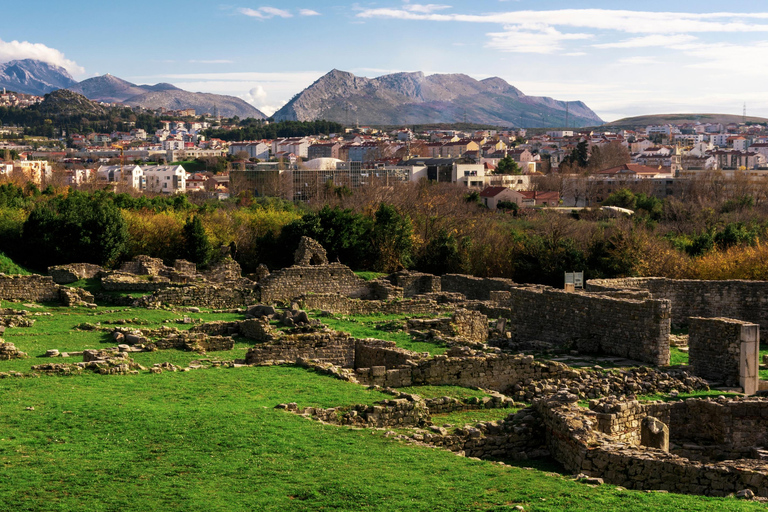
[
  {"x": 682, "y": 396},
  {"x": 461, "y": 418},
  {"x": 677, "y": 356},
  {"x": 369, "y": 276},
  {"x": 8, "y": 266},
  {"x": 364, "y": 326},
  {"x": 211, "y": 440},
  {"x": 58, "y": 332}
]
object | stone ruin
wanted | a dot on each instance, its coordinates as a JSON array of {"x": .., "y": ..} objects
[{"x": 309, "y": 252}]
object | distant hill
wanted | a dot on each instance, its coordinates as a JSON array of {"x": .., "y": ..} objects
[
  {"x": 413, "y": 98},
  {"x": 112, "y": 89},
  {"x": 33, "y": 77},
  {"x": 64, "y": 102},
  {"x": 175, "y": 99},
  {"x": 643, "y": 121}
]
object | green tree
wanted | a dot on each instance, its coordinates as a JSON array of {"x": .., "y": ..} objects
[
  {"x": 392, "y": 239},
  {"x": 197, "y": 246},
  {"x": 507, "y": 165},
  {"x": 76, "y": 228},
  {"x": 443, "y": 255}
]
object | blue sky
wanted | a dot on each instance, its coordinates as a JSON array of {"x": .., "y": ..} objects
[{"x": 621, "y": 58}]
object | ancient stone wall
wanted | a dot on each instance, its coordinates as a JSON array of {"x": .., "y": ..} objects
[
  {"x": 32, "y": 288},
  {"x": 333, "y": 347},
  {"x": 371, "y": 352},
  {"x": 415, "y": 283},
  {"x": 338, "y": 304},
  {"x": 292, "y": 282},
  {"x": 209, "y": 296},
  {"x": 742, "y": 300},
  {"x": 474, "y": 288},
  {"x": 633, "y": 329},
  {"x": 398, "y": 412},
  {"x": 605, "y": 443},
  {"x": 714, "y": 349},
  {"x": 121, "y": 281},
  {"x": 499, "y": 372},
  {"x": 66, "y": 274}
]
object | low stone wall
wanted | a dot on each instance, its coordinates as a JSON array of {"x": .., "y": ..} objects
[
  {"x": 338, "y": 304},
  {"x": 398, "y": 412},
  {"x": 66, "y": 274},
  {"x": 628, "y": 328},
  {"x": 605, "y": 443},
  {"x": 465, "y": 325},
  {"x": 499, "y": 372},
  {"x": 292, "y": 282},
  {"x": 332, "y": 347},
  {"x": 196, "y": 342},
  {"x": 475, "y": 288},
  {"x": 739, "y": 299},
  {"x": 31, "y": 288},
  {"x": 209, "y": 296},
  {"x": 715, "y": 349},
  {"x": 123, "y": 282},
  {"x": 415, "y": 283},
  {"x": 371, "y": 352}
]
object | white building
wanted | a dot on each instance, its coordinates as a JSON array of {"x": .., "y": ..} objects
[
  {"x": 165, "y": 179},
  {"x": 130, "y": 175},
  {"x": 254, "y": 149}
]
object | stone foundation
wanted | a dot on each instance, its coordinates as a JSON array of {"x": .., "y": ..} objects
[{"x": 606, "y": 442}]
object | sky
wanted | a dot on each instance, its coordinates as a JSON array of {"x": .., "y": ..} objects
[{"x": 620, "y": 58}]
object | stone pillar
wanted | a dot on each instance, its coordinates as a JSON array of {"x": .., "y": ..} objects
[
  {"x": 654, "y": 433},
  {"x": 749, "y": 359}
]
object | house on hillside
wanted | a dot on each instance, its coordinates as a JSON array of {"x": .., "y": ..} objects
[{"x": 492, "y": 196}]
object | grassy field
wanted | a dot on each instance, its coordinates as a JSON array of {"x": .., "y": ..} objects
[
  {"x": 211, "y": 440},
  {"x": 378, "y": 326}
]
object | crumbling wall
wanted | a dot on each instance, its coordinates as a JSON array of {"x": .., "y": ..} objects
[
  {"x": 210, "y": 296},
  {"x": 292, "y": 282},
  {"x": 595, "y": 324},
  {"x": 31, "y": 288},
  {"x": 332, "y": 347},
  {"x": 739, "y": 299},
  {"x": 415, "y": 283},
  {"x": 475, "y": 288},
  {"x": 66, "y": 274},
  {"x": 371, "y": 352},
  {"x": 338, "y": 304},
  {"x": 498, "y": 372},
  {"x": 576, "y": 439}
]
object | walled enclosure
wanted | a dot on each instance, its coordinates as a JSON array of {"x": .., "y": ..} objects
[
  {"x": 742, "y": 300},
  {"x": 605, "y": 442},
  {"x": 725, "y": 350}
]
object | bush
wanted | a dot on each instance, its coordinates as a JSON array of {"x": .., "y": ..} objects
[{"x": 76, "y": 228}]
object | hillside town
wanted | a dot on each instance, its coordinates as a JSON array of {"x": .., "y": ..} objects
[{"x": 529, "y": 168}]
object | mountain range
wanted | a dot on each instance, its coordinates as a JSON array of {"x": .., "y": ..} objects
[
  {"x": 36, "y": 77},
  {"x": 413, "y": 98},
  {"x": 396, "y": 99}
]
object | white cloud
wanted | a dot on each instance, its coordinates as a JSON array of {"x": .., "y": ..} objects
[
  {"x": 634, "y": 22},
  {"x": 534, "y": 38},
  {"x": 648, "y": 41},
  {"x": 308, "y": 12},
  {"x": 425, "y": 8},
  {"x": 265, "y": 13},
  {"x": 17, "y": 50},
  {"x": 639, "y": 60}
]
